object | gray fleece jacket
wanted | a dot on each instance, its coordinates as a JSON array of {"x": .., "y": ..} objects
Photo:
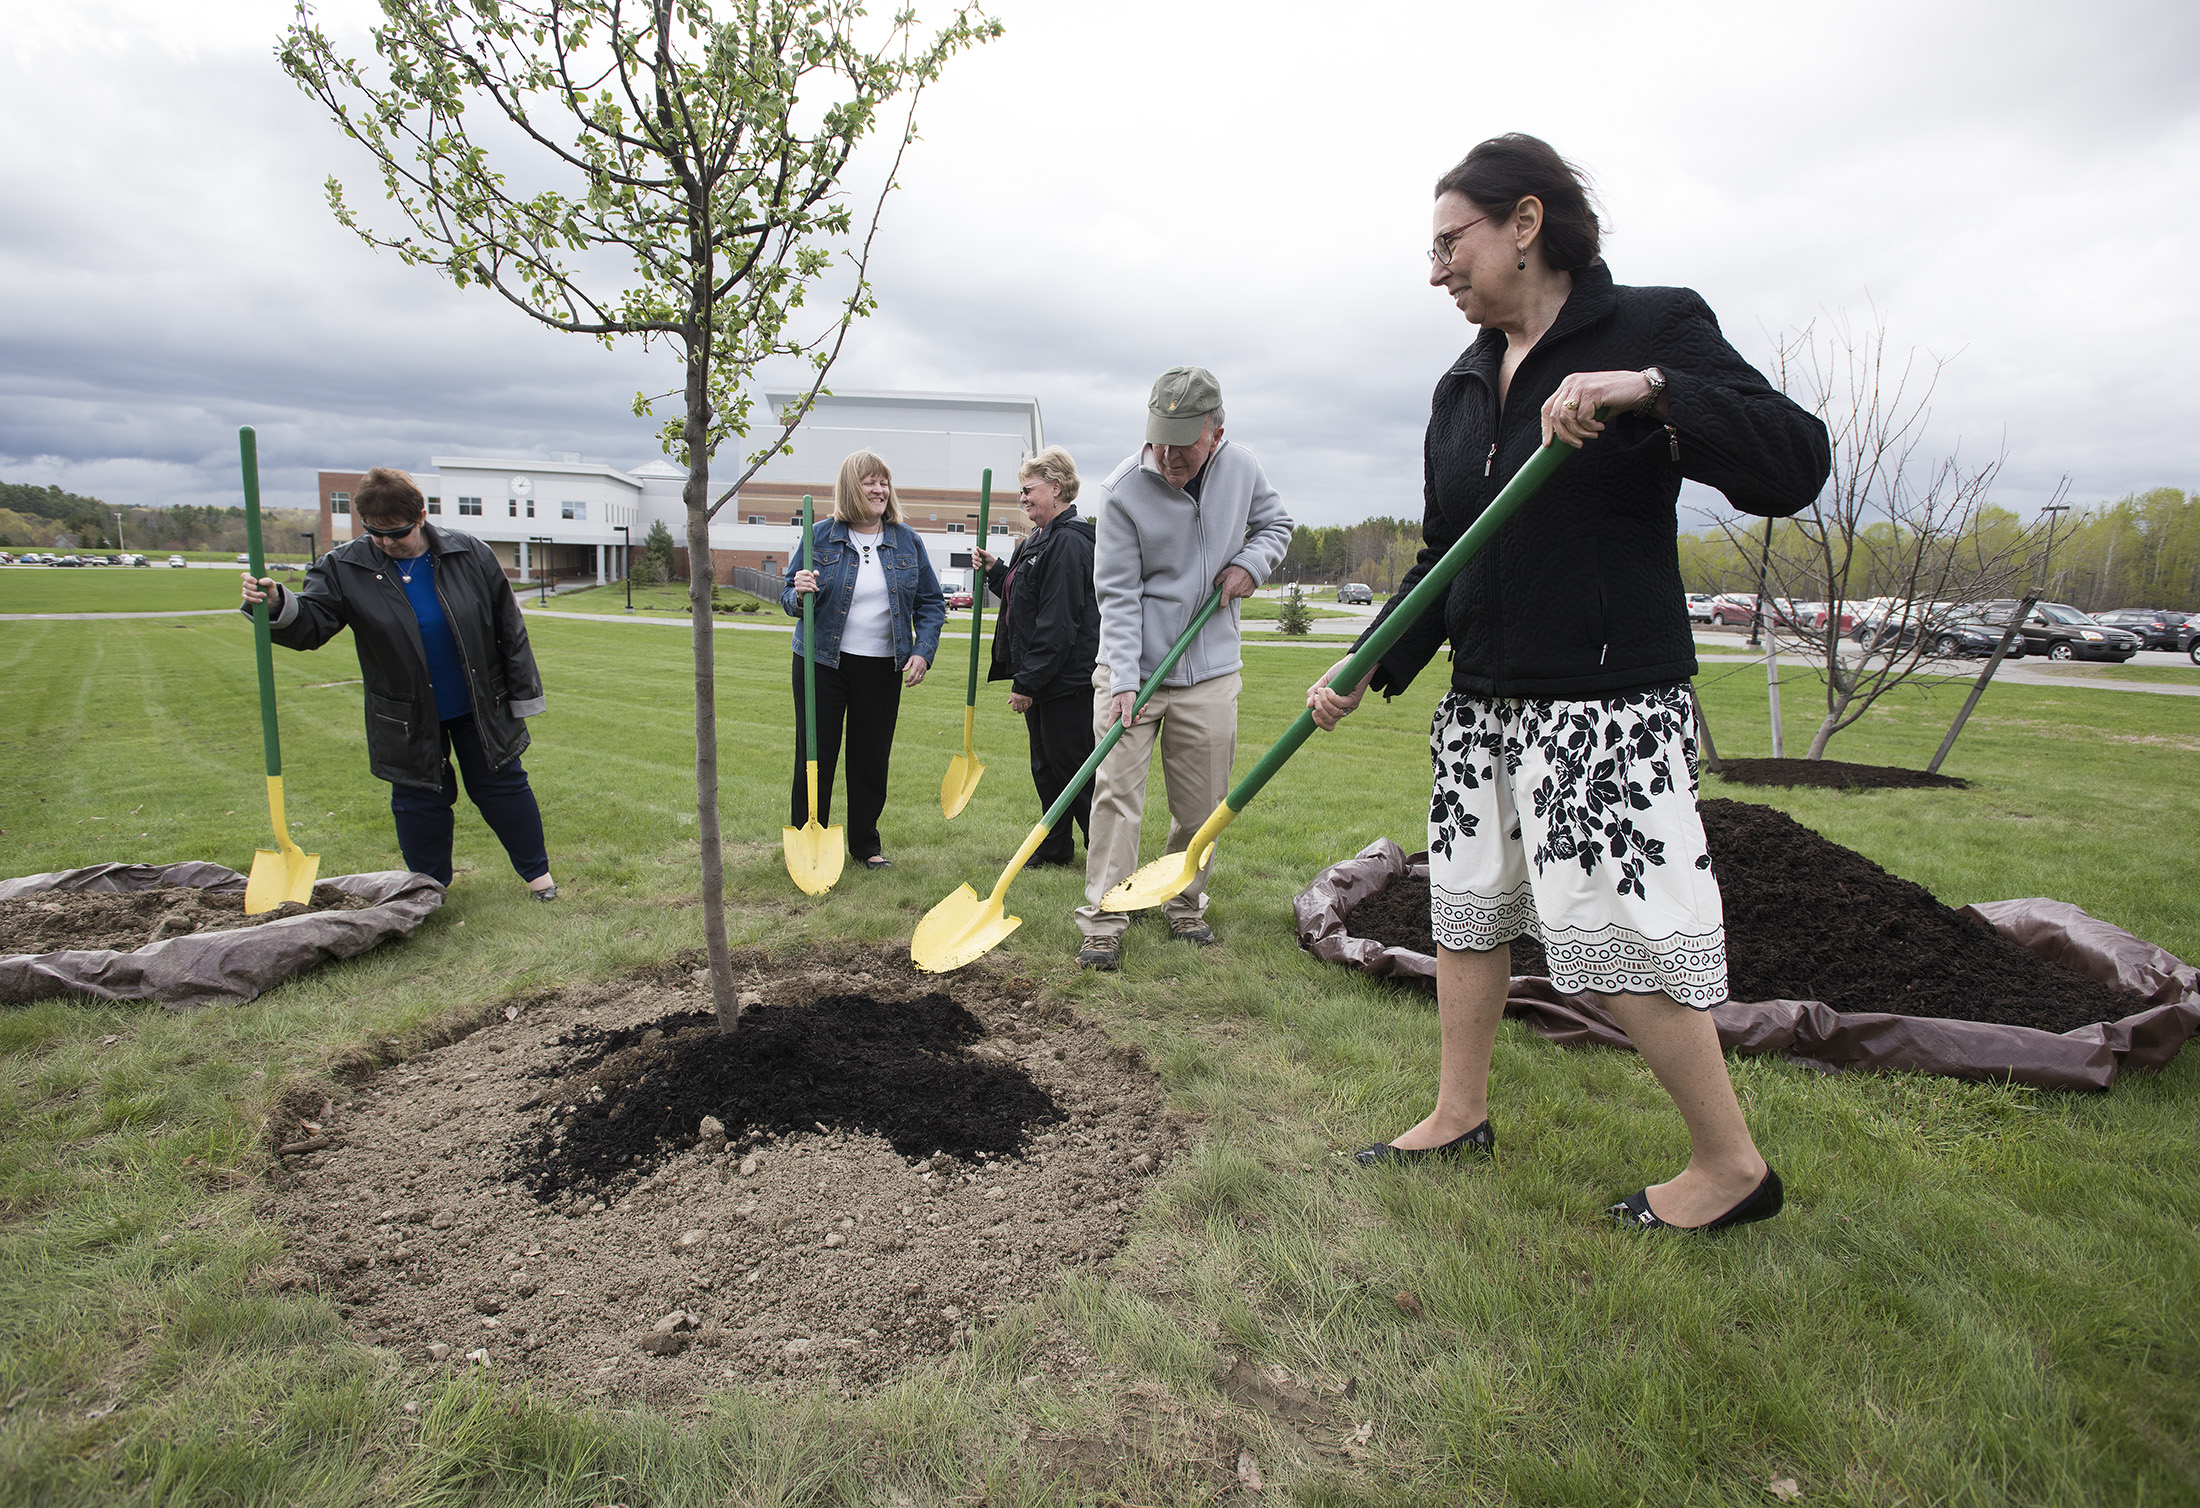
[{"x": 1157, "y": 553}]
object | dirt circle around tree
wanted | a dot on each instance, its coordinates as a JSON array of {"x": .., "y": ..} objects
[
  {"x": 1808, "y": 919},
  {"x": 597, "y": 1193},
  {"x": 1834, "y": 775}
]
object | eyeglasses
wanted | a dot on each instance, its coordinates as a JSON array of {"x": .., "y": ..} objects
[
  {"x": 1440, "y": 253},
  {"x": 391, "y": 533}
]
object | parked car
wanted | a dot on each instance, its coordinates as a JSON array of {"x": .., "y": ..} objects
[
  {"x": 177, "y": 561},
  {"x": 1734, "y": 609},
  {"x": 1355, "y": 591},
  {"x": 63, "y": 560},
  {"x": 1958, "y": 634},
  {"x": 1699, "y": 607},
  {"x": 6, "y": 558},
  {"x": 959, "y": 599},
  {"x": 2157, "y": 628},
  {"x": 243, "y": 559},
  {"x": 2061, "y": 632}
]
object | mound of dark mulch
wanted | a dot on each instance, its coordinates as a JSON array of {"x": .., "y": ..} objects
[
  {"x": 1833, "y": 775},
  {"x": 843, "y": 1062},
  {"x": 1807, "y": 919},
  {"x": 52, "y": 921}
]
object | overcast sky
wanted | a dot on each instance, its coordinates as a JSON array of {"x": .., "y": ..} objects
[{"x": 1112, "y": 189}]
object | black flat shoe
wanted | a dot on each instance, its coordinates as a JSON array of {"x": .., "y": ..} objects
[
  {"x": 878, "y": 861},
  {"x": 1763, "y": 1203},
  {"x": 1481, "y": 1139}
]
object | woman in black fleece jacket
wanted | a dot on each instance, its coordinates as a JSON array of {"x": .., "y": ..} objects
[{"x": 1565, "y": 762}]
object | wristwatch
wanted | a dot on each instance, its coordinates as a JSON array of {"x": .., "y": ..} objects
[{"x": 1656, "y": 379}]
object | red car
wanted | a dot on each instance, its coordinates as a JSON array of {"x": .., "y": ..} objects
[{"x": 959, "y": 599}]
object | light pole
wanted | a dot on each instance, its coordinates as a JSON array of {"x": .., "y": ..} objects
[
  {"x": 312, "y": 537},
  {"x": 626, "y": 563},
  {"x": 118, "y": 531},
  {"x": 2047, "y": 556},
  {"x": 542, "y": 570}
]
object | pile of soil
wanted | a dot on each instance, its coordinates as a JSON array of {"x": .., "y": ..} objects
[
  {"x": 888, "y": 1160},
  {"x": 1807, "y": 919},
  {"x": 54, "y": 920},
  {"x": 1834, "y": 775}
]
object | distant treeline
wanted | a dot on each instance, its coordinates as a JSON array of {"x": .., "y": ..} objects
[
  {"x": 2139, "y": 551},
  {"x": 47, "y": 518},
  {"x": 1377, "y": 552}
]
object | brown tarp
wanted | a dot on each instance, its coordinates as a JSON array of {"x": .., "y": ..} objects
[
  {"x": 207, "y": 968},
  {"x": 1811, "y": 1032}
]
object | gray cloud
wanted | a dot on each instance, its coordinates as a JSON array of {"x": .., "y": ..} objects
[{"x": 1104, "y": 193}]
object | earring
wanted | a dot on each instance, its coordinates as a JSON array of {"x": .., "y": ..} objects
[{"x": 1523, "y": 257}]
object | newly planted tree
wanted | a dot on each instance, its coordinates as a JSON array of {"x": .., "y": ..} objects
[
  {"x": 1898, "y": 538},
  {"x": 684, "y": 173}
]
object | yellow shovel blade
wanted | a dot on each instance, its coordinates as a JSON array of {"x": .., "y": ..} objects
[
  {"x": 279, "y": 874},
  {"x": 1171, "y": 874},
  {"x": 961, "y": 782},
  {"x": 963, "y": 771},
  {"x": 814, "y": 856},
  {"x": 962, "y": 929}
]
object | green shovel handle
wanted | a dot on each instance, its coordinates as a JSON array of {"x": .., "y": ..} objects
[
  {"x": 1424, "y": 595},
  {"x": 977, "y": 595},
  {"x": 809, "y": 649},
  {"x": 1085, "y": 771},
  {"x": 248, "y": 450}
]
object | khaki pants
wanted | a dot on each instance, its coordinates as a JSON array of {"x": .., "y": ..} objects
[{"x": 1196, "y": 727}]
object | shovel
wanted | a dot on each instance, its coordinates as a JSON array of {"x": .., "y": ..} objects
[
  {"x": 283, "y": 873},
  {"x": 1171, "y": 874},
  {"x": 814, "y": 853},
  {"x": 962, "y": 929},
  {"x": 963, "y": 771}
]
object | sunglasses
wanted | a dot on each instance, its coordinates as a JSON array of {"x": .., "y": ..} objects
[{"x": 397, "y": 533}]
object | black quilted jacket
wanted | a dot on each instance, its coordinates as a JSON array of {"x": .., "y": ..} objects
[
  {"x": 1050, "y": 638},
  {"x": 1579, "y": 594}
]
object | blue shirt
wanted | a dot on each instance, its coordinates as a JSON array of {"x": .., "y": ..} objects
[{"x": 446, "y": 671}]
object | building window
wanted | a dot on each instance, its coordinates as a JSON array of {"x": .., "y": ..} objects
[
  {"x": 511, "y": 507},
  {"x": 756, "y": 518},
  {"x": 469, "y": 507},
  {"x": 573, "y": 510},
  {"x": 339, "y": 502},
  {"x": 435, "y": 505},
  {"x": 1000, "y": 528},
  {"x": 530, "y": 507},
  {"x": 958, "y": 529},
  {"x": 959, "y": 560}
]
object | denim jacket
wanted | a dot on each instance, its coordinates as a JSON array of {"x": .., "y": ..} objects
[{"x": 915, "y": 603}]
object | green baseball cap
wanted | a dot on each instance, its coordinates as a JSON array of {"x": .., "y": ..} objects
[{"x": 1182, "y": 399}]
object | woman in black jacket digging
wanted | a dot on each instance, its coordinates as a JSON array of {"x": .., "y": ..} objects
[
  {"x": 1565, "y": 761},
  {"x": 444, "y": 653},
  {"x": 1048, "y": 637}
]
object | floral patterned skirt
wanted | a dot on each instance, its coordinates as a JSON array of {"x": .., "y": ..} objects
[{"x": 1576, "y": 821}]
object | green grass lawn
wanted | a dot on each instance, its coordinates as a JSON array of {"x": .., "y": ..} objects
[
  {"x": 1978, "y": 1295},
  {"x": 1263, "y": 608},
  {"x": 668, "y": 599},
  {"x": 2161, "y": 675},
  {"x": 114, "y": 589}
]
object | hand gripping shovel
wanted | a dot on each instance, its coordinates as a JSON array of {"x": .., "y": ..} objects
[
  {"x": 814, "y": 853},
  {"x": 1172, "y": 873},
  {"x": 283, "y": 873},
  {"x": 963, "y": 771},
  {"x": 962, "y": 929}
]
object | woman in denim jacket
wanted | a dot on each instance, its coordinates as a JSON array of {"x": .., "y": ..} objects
[{"x": 878, "y": 618}]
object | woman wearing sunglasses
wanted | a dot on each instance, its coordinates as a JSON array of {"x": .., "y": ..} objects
[{"x": 448, "y": 671}]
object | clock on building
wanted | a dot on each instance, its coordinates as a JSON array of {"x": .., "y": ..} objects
[{"x": 521, "y": 486}]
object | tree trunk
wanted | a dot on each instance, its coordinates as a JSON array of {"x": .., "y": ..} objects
[{"x": 701, "y": 578}]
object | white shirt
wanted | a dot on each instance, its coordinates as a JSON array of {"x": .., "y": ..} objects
[{"x": 869, "y": 629}]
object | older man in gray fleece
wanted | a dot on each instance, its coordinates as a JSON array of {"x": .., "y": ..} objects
[{"x": 1189, "y": 513}]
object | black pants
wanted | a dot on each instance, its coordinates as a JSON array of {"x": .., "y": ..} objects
[
  {"x": 1060, "y": 728},
  {"x": 864, "y": 693},
  {"x": 506, "y": 800}
]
